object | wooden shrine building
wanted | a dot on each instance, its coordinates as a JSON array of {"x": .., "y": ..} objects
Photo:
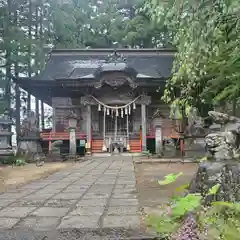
[{"x": 114, "y": 94}]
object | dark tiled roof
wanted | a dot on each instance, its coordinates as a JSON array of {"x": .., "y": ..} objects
[{"x": 76, "y": 64}]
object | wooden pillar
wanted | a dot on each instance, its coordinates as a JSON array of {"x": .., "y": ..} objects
[
  {"x": 42, "y": 115},
  {"x": 127, "y": 122},
  {"x": 144, "y": 127},
  {"x": 115, "y": 127},
  {"x": 53, "y": 117},
  {"x": 37, "y": 110},
  {"x": 89, "y": 129},
  {"x": 104, "y": 123},
  {"x": 104, "y": 149},
  {"x": 28, "y": 103}
]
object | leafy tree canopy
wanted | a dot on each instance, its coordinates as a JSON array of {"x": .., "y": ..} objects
[{"x": 207, "y": 36}]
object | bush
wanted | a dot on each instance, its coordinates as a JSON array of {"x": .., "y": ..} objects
[{"x": 189, "y": 218}]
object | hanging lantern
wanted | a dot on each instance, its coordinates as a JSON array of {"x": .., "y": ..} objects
[
  {"x": 117, "y": 112},
  {"x": 129, "y": 109},
  {"x": 134, "y": 106},
  {"x": 126, "y": 111},
  {"x": 108, "y": 111},
  {"x": 122, "y": 112},
  {"x": 99, "y": 107}
]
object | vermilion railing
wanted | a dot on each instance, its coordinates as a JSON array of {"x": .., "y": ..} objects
[{"x": 60, "y": 136}]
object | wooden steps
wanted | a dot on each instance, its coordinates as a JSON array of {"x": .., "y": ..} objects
[
  {"x": 97, "y": 145},
  {"x": 135, "y": 146}
]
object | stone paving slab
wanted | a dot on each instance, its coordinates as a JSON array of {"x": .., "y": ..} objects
[
  {"x": 38, "y": 223},
  {"x": 126, "y": 221},
  {"x": 80, "y": 222},
  {"x": 5, "y": 202},
  {"x": 50, "y": 212},
  {"x": 123, "y": 202},
  {"x": 16, "y": 212},
  {"x": 122, "y": 210},
  {"x": 88, "y": 211},
  {"x": 96, "y": 194},
  {"x": 28, "y": 203},
  {"x": 60, "y": 203},
  {"x": 68, "y": 195},
  {"x": 6, "y": 223}
]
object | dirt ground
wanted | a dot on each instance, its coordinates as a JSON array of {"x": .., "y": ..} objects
[
  {"x": 151, "y": 194},
  {"x": 15, "y": 176}
]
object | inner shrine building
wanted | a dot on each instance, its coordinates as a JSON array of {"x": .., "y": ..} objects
[{"x": 113, "y": 93}]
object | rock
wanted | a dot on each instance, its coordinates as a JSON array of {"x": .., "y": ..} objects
[
  {"x": 221, "y": 118},
  {"x": 223, "y": 166},
  {"x": 211, "y": 173}
]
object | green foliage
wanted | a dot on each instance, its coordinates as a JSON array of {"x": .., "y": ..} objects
[
  {"x": 21, "y": 44},
  {"x": 221, "y": 220},
  {"x": 170, "y": 178},
  {"x": 86, "y": 24},
  {"x": 163, "y": 224},
  {"x": 213, "y": 190},
  {"x": 20, "y": 162},
  {"x": 206, "y": 34},
  {"x": 186, "y": 204}
]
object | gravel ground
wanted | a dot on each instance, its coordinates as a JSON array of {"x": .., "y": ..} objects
[{"x": 150, "y": 193}]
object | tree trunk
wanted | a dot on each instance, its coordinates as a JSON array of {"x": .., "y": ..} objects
[
  {"x": 37, "y": 61},
  {"x": 7, "y": 36},
  {"x": 29, "y": 53},
  {"x": 17, "y": 90}
]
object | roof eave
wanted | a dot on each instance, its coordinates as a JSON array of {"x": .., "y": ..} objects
[{"x": 104, "y": 50}]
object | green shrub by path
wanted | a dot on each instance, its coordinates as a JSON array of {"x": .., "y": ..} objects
[
  {"x": 13, "y": 160},
  {"x": 20, "y": 162},
  {"x": 189, "y": 218}
]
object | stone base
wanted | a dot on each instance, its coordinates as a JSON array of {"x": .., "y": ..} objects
[
  {"x": 6, "y": 153},
  {"x": 30, "y": 150},
  {"x": 88, "y": 151},
  {"x": 7, "y": 156}
]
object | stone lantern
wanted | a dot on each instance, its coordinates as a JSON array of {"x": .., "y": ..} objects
[
  {"x": 5, "y": 135},
  {"x": 72, "y": 125},
  {"x": 157, "y": 122}
]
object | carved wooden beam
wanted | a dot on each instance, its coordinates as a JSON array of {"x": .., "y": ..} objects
[
  {"x": 88, "y": 100},
  {"x": 144, "y": 100},
  {"x": 115, "y": 80}
]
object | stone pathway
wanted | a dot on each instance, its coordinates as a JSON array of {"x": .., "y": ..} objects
[{"x": 96, "y": 194}]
